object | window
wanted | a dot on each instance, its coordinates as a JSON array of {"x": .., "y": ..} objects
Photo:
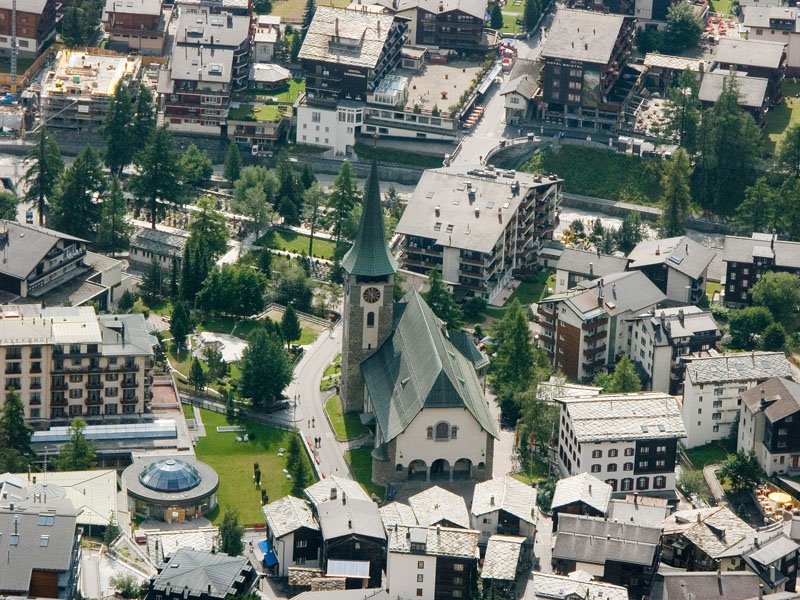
[
  {"x": 628, "y": 451},
  {"x": 717, "y": 404},
  {"x": 419, "y": 591},
  {"x": 718, "y": 391},
  {"x": 442, "y": 431},
  {"x": 660, "y": 482},
  {"x": 661, "y": 449},
  {"x": 595, "y": 468},
  {"x": 661, "y": 463},
  {"x": 456, "y": 593},
  {"x": 315, "y": 117},
  {"x": 76, "y": 393},
  {"x": 420, "y": 564},
  {"x": 458, "y": 567},
  {"x": 627, "y": 484},
  {"x": 613, "y": 453},
  {"x": 430, "y": 433},
  {"x": 627, "y": 466},
  {"x": 597, "y": 454},
  {"x": 370, "y": 319},
  {"x": 75, "y": 378},
  {"x": 644, "y": 450},
  {"x": 716, "y": 416},
  {"x": 44, "y": 541},
  {"x": 642, "y": 483},
  {"x": 454, "y": 432},
  {"x": 14, "y": 539},
  {"x": 419, "y": 578},
  {"x": 612, "y": 467},
  {"x": 642, "y": 464},
  {"x": 301, "y": 544}
]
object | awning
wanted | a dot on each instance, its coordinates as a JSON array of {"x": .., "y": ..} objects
[
  {"x": 270, "y": 560},
  {"x": 358, "y": 569}
]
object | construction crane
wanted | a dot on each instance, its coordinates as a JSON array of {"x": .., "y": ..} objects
[{"x": 13, "y": 47}]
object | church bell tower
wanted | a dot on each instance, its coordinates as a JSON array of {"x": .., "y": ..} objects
[{"x": 368, "y": 295}]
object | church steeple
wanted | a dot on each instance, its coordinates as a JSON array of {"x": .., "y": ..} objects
[{"x": 370, "y": 255}]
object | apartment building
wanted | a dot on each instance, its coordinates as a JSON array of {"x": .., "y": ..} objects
[
  {"x": 136, "y": 25},
  {"x": 479, "y": 228},
  {"x": 770, "y": 425},
  {"x": 755, "y": 58},
  {"x": 587, "y": 328},
  {"x": 36, "y": 26},
  {"x": 678, "y": 266},
  {"x": 664, "y": 338},
  {"x": 76, "y": 93},
  {"x": 627, "y": 440},
  {"x": 576, "y": 265},
  {"x": 775, "y": 23},
  {"x": 584, "y": 56},
  {"x": 747, "y": 259},
  {"x": 713, "y": 388},
  {"x": 67, "y": 362},
  {"x": 268, "y": 32},
  {"x": 431, "y": 562}
]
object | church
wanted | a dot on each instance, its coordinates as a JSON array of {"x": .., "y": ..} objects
[{"x": 411, "y": 380}]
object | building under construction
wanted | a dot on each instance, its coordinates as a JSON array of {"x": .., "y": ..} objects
[{"x": 77, "y": 93}]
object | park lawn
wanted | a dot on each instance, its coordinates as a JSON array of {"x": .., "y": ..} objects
[
  {"x": 601, "y": 173},
  {"x": 510, "y": 24},
  {"x": 721, "y": 7},
  {"x": 293, "y": 9},
  {"x": 531, "y": 288},
  {"x": 346, "y": 426},
  {"x": 233, "y": 462},
  {"x": 335, "y": 366},
  {"x": 307, "y": 335},
  {"x": 710, "y": 454},
  {"x": 289, "y": 241},
  {"x": 780, "y": 119},
  {"x": 360, "y": 461},
  {"x": 180, "y": 361}
]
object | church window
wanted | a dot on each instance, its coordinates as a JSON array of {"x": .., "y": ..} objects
[
  {"x": 399, "y": 467},
  {"x": 442, "y": 431},
  {"x": 454, "y": 432},
  {"x": 370, "y": 319},
  {"x": 430, "y": 433}
]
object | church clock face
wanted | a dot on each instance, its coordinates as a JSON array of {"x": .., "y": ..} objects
[{"x": 372, "y": 295}]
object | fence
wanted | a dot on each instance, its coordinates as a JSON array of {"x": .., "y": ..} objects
[{"x": 250, "y": 415}]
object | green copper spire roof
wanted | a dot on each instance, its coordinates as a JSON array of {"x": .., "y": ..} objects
[{"x": 370, "y": 255}]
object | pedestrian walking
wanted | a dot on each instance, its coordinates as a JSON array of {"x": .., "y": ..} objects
[{"x": 313, "y": 422}]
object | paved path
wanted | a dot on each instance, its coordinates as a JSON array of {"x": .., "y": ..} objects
[{"x": 710, "y": 475}]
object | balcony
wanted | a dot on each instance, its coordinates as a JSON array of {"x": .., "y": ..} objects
[
  {"x": 94, "y": 401},
  {"x": 129, "y": 383},
  {"x": 59, "y": 402},
  {"x": 59, "y": 386},
  {"x": 594, "y": 337},
  {"x": 592, "y": 365},
  {"x": 592, "y": 326},
  {"x": 14, "y": 369},
  {"x": 94, "y": 385},
  {"x": 592, "y": 352},
  {"x": 130, "y": 399}
]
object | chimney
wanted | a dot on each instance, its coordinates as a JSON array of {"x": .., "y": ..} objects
[
  {"x": 773, "y": 574},
  {"x": 680, "y": 315},
  {"x": 591, "y": 268},
  {"x": 585, "y": 46},
  {"x": 772, "y": 241},
  {"x": 699, "y": 520},
  {"x": 477, "y": 212},
  {"x": 658, "y": 250},
  {"x": 760, "y": 591},
  {"x": 437, "y": 211},
  {"x": 349, "y": 524},
  {"x": 614, "y": 290},
  {"x": 379, "y": 28},
  {"x": 344, "y": 499},
  {"x": 209, "y": 589},
  {"x": 636, "y": 498},
  {"x": 500, "y": 215},
  {"x": 590, "y": 489},
  {"x": 333, "y": 493},
  {"x": 336, "y": 28},
  {"x": 687, "y": 248}
]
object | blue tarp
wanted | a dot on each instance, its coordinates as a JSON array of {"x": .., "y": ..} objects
[{"x": 270, "y": 560}]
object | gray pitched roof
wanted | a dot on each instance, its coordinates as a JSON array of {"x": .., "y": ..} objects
[
  {"x": 30, "y": 6},
  {"x": 198, "y": 572},
  {"x": 680, "y": 253},
  {"x": 743, "y": 249},
  {"x": 576, "y": 584},
  {"x": 397, "y": 513},
  {"x": 777, "y": 397},
  {"x": 419, "y": 367},
  {"x": 595, "y": 540},
  {"x": 588, "y": 263},
  {"x": 762, "y": 16},
  {"x": 163, "y": 243},
  {"x": 641, "y": 510},
  {"x": 333, "y": 488},
  {"x": 502, "y": 557},
  {"x": 728, "y": 585},
  {"x": 36, "y": 545},
  {"x": 749, "y": 53},
  {"x": 637, "y": 416},
  {"x": 436, "y": 506},
  {"x": 668, "y": 324},
  {"x": 505, "y": 493},
  {"x": 584, "y": 488},
  {"x": 287, "y": 515},
  {"x": 26, "y": 246},
  {"x": 752, "y": 90},
  {"x": 523, "y": 85},
  {"x": 438, "y": 541},
  {"x": 359, "y": 594},
  {"x": 740, "y": 366},
  {"x": 353, "y": 517},
  {"x": 583, "y": 36}
]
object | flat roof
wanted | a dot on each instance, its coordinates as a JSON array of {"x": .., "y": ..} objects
[
  {"x": 203, "y": 26},
  {"x": 196, "y": 63},
  {"x": 582, "y": 36},
  {"x": 83, "y": 73},
  {"x": 132, "y": 7}
]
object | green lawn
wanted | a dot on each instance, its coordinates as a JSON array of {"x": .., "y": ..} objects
[
  {"x": 721, "y": 7},
  {"x": 536, "y": 472},
  {"x": 346, "y": 426},
  {"x": 510, "y": 24},
  {"x": 335, "y": 366},
  {"x": 307, "y": 336},
  {"x": 232, "y": 326},
  {"x": 395, "y": 156},
  {"x": 712, "y": 287},
  {"x": 289, "y": 241},
  {"x": 709, "y": 454},
  {"x": 23, "y": 64},
  {"x": 262, "y": 113},
  {"x": 601, "y": 173},
  {"x": 781, "y": 117},
  {"x": 360, "y": 461},
  {"x": 188, "y": 411},
  {"x": 181, "y": 361},
  {"x": 233, "y": 462},
  {"x": 533, "y": 287}
]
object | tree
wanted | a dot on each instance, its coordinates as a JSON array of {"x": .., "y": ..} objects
[
  {"x": 8, "y": 206},
  {"x": 773, "y": 338},
  {"x": 307, "y": 177},
  {"x": 649, "y": 39},
  {"x": 151, "y": 282},
  {"x": 538, "y": 423},
  {"x": 295, "y": 44},
  {"x": 512, "y": 364},
  {"x": 684, "y": 27},
  {"x": 78, "y": 454},
  {"x": 682, "y": 112},
  {"x": 253, "y": 194},
  {"x": 630, "y": 232},
  {"x": 234, "y": 290},
  {"x": 196, "y": 264},
  {"x": 746, "y": 323},
  {"x": 73, "y": 207},
  {"x": 758, "y": 211},
  {"x": 290, "y": 326},
  {"x": 180, "y": 324},
  {"x": 157, "y": 180},
  {"x": 531, "y": 14},
  {"x": 197, "y": 375},
  {"x": 15, "y": 433},
  {"x": 441, "y": 301},
  {"x": 144, "y": 118},
  {"x": 677, "y": 195},
  {"x": 693, "y": 483},
  {"x": 126, "y": 301},
  {"x": 308, "y": 14},
  {"x": 290, "y": 191},
  {"x": 296, "y": 465},
  {"x": 196, "y": 167},
  {"x": 216, "y": 364},
  {"x": 473, "y": 308},
  {"x": 126, "y": 585},
  {"x": 495, "y": 16},
  {"x": 314, "y": 200},
  {"x": 208, "y": 227},
  {"x": 117, "y": 131},
  {"x": 731, "y": 149},
  {"x": 266, "y": 370},
  {"x": 113, "y": 231},
  {"x": 343, "y": 200},
  {"x": 76, "y": 27},
  {"x": 742, "y": 470},
  {"x": 780, "y": 294},
  {"x": 789, "y": 151},
  {"x": 262, "y": 7},
  {"x": 292, "y": 285},
  {"x": 265, "y": 262},
  {"x": 230, "y": 533},
  {"x": 112, "y": 531},
  {"x": 232, "y": 167},
  {"x": 623, "y": 380},
  {"x": 44, "y": 165}
]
